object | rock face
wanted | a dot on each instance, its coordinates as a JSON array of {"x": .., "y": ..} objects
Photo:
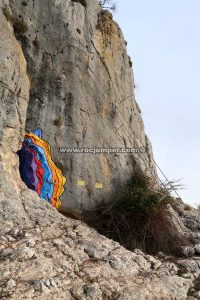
[
  {"x": 14, "y": 91},
  {"x": 44, "y": 255},
  {"x": 82, "y": 94}
]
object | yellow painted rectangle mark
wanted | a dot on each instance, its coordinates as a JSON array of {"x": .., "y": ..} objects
[
  {"x": 81, "y": 182},
  {"x": 98, "y": 185}
]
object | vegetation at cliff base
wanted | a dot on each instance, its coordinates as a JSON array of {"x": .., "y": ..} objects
[{"x": 136, "y": 217}]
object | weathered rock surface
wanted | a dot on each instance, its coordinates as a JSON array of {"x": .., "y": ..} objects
[
  {"x": 53, "y": 257},
  {"x": 82, "y": 94},
  {"x": 44, "y": 255}
]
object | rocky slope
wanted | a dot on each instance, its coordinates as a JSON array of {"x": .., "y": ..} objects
[{"x": 44, "y": 255}]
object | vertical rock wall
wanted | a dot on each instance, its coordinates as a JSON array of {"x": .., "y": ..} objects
[
  {"x": 82, "y": 94},
  {"x": 14, "y": 95}
]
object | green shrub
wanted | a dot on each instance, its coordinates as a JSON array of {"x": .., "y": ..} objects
[
  {"x": 58, "y": 122},
  {"x": 20, "y": 26},
  {"x": 139, "y": 195},
  {"x": 135, "y": 217}
]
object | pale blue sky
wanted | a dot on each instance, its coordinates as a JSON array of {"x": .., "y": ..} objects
[{"x": 164, "y": 44}]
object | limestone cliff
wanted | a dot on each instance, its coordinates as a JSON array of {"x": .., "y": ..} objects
[
  {"x": 67, "y": 64},
  {"x": 81, "y": 94}
]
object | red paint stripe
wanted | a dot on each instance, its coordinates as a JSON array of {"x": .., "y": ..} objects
[{"x": 39, "y": 171}]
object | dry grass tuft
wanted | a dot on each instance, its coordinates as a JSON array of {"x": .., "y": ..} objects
[
  {"x": 105, "y": 23},
  {"x": 58, "y": 122},
  {"x": 20, "y": 26},
  {"x": 138, "y": 217}
]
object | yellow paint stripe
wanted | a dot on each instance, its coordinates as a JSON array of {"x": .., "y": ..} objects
[
  {"x": 80, "y": 182},
  {"x": 98, "y": 185}
]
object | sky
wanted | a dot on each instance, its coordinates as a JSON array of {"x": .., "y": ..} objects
[{"x": 164, "y": 45}]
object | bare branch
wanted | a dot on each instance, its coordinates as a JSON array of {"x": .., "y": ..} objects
[{"x": 108, "y": 4}]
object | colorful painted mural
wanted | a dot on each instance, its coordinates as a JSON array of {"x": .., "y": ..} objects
[{"x": 38, "y": 170}]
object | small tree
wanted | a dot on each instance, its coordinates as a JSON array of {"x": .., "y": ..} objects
[{"x": 108, "y": 4}]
